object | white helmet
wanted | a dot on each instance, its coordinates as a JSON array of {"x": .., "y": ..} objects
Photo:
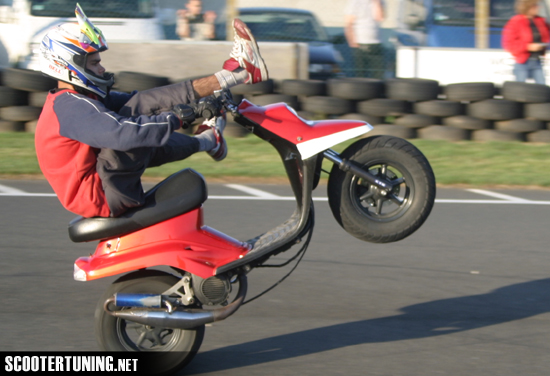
[{"x": 64, "y": 51}]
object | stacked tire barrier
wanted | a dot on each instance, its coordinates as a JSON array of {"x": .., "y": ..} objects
[
  {"x": 22, "y": 95},
  {"x": 419, "y": 108},
  {"x": 403, "y": 107}
]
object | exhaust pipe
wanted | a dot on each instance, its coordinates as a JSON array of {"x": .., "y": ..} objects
[{"x": 179, "y": 318}]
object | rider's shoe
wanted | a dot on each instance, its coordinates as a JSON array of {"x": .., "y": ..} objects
[
  {"x": 246, "y": 54},
  {"x": 217, "y": 124}
]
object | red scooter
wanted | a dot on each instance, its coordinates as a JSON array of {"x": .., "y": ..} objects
[{"x": 380, "y": 189}]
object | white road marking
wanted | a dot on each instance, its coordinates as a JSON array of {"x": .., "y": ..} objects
[
  {"x": 498, "y": 195},
  {"x": 9, "y": 190},
  {"x": 501, "y": 202},
  {"x": 24, "y": 194},
  {"x": 256, "y": 198},
  {"x": 259, "y": 195},
  {"x": 252, "y": 191}
]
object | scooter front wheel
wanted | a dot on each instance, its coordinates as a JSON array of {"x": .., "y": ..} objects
[
  {"x": 370, "y": 213},
  {"x": 116, "y": 334}
]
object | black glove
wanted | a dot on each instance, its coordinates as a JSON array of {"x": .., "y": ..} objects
[
  {"x": 207, "y": 108},
  {"x": 185, "y": 113}
]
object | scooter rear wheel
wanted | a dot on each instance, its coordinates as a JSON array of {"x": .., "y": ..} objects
[
  {"x": 371, "y": 214},
  {"x": 115, "y": 334}
]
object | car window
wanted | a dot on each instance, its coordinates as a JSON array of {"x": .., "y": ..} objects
[{"x": 279, "y": 26}]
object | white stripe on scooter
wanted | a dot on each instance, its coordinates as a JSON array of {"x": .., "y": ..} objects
[
  {"x": 498, "y": 195},
  {"x": 252, "y": 191},
  {"x": 10, "y": 190},
  {"x": 310, "y": 148}
]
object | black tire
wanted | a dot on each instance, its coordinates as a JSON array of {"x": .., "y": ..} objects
[
  {"x": 357, "y": 89},
  {"x": 130, "y": 81},
  {"x": 538, "y": 111},
  {"x": 443, "y": 132},
  {"x": 27, "y": 80},
  {"x": 20, "y": 113},
  {"x": 328, "y": 105},
  {"x": 402, "y": 160},
  {"x": 495, "y": 109},
  {"x": 306, "y": 115},
  {"x": 30, "y": 126},
  {"x": 384, "y": 107},
  {"x": 539, "y": 136},
  {"x": 363, "y": 117},
  {"x": 392, "y": 130},
  {"x": 525, "y": 92},
  {"x": 466, "y": 122},
  {"x": 266, "y": 99},
  {"x": 114, "y": 334},
  {"x": 11, "y": 126},
  {"x": 12, "y": 97},
  {"x": 37, "y": 99},
  {"x": 416, "y": 120},
  {"x": 412, "y": 89},
  {"x": 440, "y": 108},
  {"x": 469, "y": 91},
  {"x": 496, "y": 135},
  {"x": 520, "y": 125},
  {"x": 306, "y": 88},
  {"x": 264, "y": 87}
]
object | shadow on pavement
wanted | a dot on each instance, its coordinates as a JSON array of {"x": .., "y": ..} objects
[{"x": 429, "y": 319}]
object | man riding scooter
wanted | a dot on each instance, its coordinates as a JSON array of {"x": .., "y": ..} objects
[{"x": 93, "y": 144}]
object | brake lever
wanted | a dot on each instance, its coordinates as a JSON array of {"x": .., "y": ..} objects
[{"x": 226, "y": 99}]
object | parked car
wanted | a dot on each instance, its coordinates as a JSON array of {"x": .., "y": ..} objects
[
  {"x": 295, "y": 25},
  {"x": 23, "y": 24}
]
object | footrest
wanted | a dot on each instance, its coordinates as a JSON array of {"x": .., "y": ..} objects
[
  {"x": 267, "y": 243},
  {"x": 274, "y": 235}
]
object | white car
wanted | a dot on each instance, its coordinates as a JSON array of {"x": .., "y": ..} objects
[{"x": 23, "y": 24}]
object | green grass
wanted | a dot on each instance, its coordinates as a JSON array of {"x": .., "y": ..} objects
[{"x": 469, "y": 163}]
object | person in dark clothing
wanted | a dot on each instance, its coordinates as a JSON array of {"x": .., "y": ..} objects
[{"x": 94, "y": 144}]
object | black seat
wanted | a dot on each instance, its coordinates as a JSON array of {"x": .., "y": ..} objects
[{"x": 179, "y": 193}]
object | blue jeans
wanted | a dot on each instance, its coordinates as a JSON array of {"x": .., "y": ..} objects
[{"x": 532, "y": 68}]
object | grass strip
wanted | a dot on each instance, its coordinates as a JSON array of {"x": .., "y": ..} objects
[{"x": 469, "y": 163}]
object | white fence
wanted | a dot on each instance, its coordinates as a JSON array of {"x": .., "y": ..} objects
[{"x": 455, "y": 65}]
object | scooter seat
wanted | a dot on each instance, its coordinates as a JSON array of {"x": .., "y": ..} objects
[{"x": 179, "y": 193}]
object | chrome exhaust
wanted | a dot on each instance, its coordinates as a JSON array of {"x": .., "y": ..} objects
[{"x": 179, "y": 318}]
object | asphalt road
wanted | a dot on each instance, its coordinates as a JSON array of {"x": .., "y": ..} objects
[{"x": 468, "y": 294}]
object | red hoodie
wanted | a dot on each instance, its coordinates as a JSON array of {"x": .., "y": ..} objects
[
  {"x": 71, "y": 130},
  {"x": 517, "y": 35}
]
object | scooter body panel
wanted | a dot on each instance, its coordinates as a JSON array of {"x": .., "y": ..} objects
[
  {"x": 182, "y": 242},
  {"x": 310, "y": 137}
]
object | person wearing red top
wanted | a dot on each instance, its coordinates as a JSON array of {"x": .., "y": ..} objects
[
  {"x": 526, "y": 36},
  {"x": 93, "y": 144}
]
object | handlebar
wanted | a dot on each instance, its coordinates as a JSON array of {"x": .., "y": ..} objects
[{"x": 225, "y": 99}]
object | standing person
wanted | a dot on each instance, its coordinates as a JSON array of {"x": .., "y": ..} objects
[
  {"x": 93, "y": 145},
  {"x": 193, "y": 24},
  {"x": 526, "y": 36},
  {"x": 362, "y": 29}
]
